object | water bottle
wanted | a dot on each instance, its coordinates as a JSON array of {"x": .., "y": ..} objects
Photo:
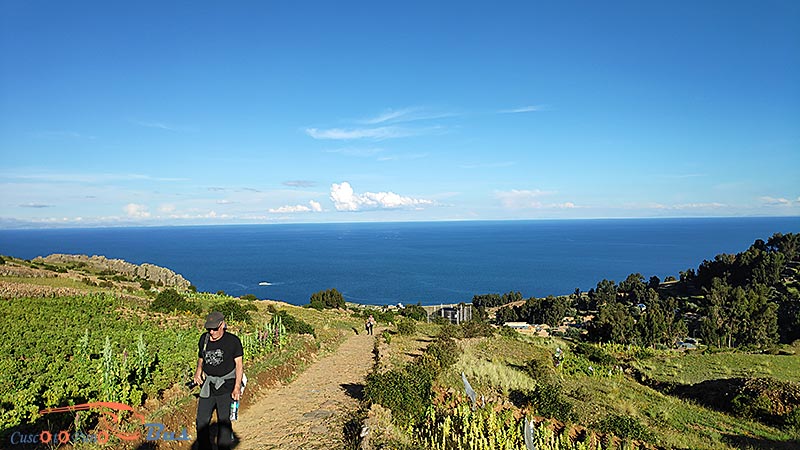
[{"x": 234, "y": 410}]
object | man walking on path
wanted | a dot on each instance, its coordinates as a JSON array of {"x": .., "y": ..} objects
[{"x": 219, "y": 372}]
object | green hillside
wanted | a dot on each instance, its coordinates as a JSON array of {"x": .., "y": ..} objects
[{"x": 616, "y": 369}]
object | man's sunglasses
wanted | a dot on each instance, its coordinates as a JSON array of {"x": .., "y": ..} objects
[{"x": 213, "y": 329}]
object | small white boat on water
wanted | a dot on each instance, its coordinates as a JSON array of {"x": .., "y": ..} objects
[{"x": 265, "y": 283}]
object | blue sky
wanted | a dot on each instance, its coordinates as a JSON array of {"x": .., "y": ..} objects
[{"x": 178, "y": 113}]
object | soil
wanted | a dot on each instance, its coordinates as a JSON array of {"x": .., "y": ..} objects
[{"x": 311, "y": 411}]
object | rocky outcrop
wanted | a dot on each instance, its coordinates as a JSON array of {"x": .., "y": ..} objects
[{"x": 144, "y": 271}]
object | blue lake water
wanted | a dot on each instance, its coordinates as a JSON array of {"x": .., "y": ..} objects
[{"x": 436, "y": 262}]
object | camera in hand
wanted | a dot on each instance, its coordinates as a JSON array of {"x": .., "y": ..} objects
[{"x": 191, "y": 384}]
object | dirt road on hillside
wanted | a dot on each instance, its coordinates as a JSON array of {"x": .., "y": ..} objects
[{"x": 309, "y": 413}]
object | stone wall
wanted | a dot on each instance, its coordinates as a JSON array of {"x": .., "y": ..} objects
[{"x": 145, "y": 271}]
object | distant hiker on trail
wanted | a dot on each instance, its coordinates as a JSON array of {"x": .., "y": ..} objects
[
  {"x": 370, "y": 324},
  {"x": 219, "y": 373}
]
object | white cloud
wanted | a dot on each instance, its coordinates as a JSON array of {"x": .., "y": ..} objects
[
  {"x": 401, "y": 156},
  {"x": 494, "y": 165},
  {"x": 299, "y": 183},
  {"x": 313, "y": 207},
  {"x": 345, "y": 199},
  {"x": 523, "y": 109},
  {"x": 86, "y": 177},
  {"x": 159, "y": 125},
  {"x": 771, "y": 201},
  {"x": 699, "y": 205},
  {"x": 137, "y": 211},
  {"x": 166, "y": 208},
  {"x": 406, "y": 115},
  {"x": 389, "y": 115},
  {"x": 359, "y": 152},
  {"x": 520, "y": 199},
  {"x": 377, "y": 133}
]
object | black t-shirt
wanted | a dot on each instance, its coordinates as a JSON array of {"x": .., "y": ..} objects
[{"x": 218, "y": 358}]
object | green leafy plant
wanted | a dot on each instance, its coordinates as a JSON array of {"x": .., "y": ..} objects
[
  {"x": 407, "y": 326},
  {"x": 169, "y": 300},
  {"x": 234, "y": 310}
]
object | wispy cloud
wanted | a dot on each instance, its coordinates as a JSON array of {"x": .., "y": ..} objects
[
  {"x": 772, "y": 201},
  {"x": 377, "y": 133},
  {"x": 59, "y": 135},
  {"x": 159, "y": 125},
  {"x": 679, "y": 206},
  {"x": 494, "y": 165},
  {"x": 684, "y": 175},
  {"x": 312, "y": 207},
  {"x": 35, "y": 205},
  {"x": 411, "y": 114},
  {"x": 523, "y": 199},
  {"x": 87, "y": 177},
  {"x": 345, "y": 199},
  {"x": 299, "y": 183},
  {"x": 403, "y": 156},
  {"x": 523, "y": 109},
  {"x": 355, "y": 151}
]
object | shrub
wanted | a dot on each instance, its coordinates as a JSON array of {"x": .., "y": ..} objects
[
  {"x": 792, "y": 420},
  {"x": 406, "y": 391},
  {"x": 295, "y": 325},
  {"x": 329, "y": 299},
  {"x": 234, "y": 310},
  {"x": 146, "y": 285},
  {"x": 595, "y": 354},
  {"x": 407, "y": 326},
  {"x": 540, "y": 369},
  {"x": 387, "y": 336},
  {"x": 416, "y": 312},
  {"x": 445, "y": 351},
  {"x": 625, "y": 427},
  {"x": 169, "y": 300},
  {"x": 547, "y": 400},
  {"x": 249, "y": 297},
  {"x": 475, "y": 328},
  {"x": 509, "y": 332}
]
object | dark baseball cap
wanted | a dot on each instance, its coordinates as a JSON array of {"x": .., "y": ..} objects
[{"x": 214, "y": 319}]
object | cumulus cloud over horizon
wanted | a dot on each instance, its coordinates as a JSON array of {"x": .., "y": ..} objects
[
  {"x": 312, "y": 207},
  {"x": 345, "y": 199},
  {"x": 135, "y": 210}
]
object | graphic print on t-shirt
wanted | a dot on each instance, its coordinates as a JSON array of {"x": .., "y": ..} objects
[{"x": 214, "y": 357}]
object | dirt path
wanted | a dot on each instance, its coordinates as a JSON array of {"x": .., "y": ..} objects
[{"x": 309, "y": 412}]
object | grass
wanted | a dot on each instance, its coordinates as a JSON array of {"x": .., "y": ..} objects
[
  {"x": 692, "y": 368},
  {"x": 55, "y": 282},
  {"x": 494, "y": 367}
]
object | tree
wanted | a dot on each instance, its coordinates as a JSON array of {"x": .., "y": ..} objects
[
  {"x": 605, "y": 292},
  {"x": 329, "y": 299},
  {"x": 735, "y": 316},
  {"x": 416, "y": 312},
  {"x": 614, "y": 323},
  {"x": 634, "y": 287}
]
